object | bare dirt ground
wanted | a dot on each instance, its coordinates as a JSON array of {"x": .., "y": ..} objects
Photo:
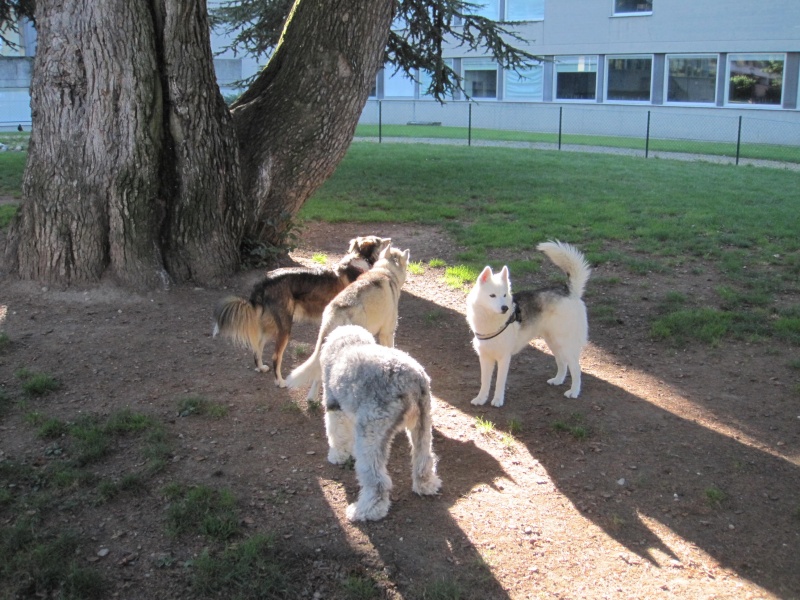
[{"x": 627, "y": 512}]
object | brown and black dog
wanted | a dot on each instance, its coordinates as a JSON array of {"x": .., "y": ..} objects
[{"x": 288, "y": 295}]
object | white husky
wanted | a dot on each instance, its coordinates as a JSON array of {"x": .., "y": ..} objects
[{"x": 504, "y": 324}]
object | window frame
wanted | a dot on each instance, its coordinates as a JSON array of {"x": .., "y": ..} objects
[
  {"x": 556, "y": 60},
  {"x": 533, "y": 20},
  {"x": 476, "y": 60},
  {"x": 398, "y": 75},
  {"x": 730, "y": 58},
  {"x": 667, "y": 58},
  {"x": 634, "y": 13},
  {"x": 423, "y": 81},
  {"x": 539, "y": 97},
  {"x": 607, "y": 72}
]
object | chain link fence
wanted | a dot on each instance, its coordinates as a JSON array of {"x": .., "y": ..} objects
[{"x": 764, "y": 137}]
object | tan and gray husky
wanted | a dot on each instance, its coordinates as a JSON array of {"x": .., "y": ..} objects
[
  {"x": 370, "y": 301},
  {"x": 290, "y": 295},
  {"x": 504, "y": 324}
]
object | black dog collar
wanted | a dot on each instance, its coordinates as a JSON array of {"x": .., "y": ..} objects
[{"x": 515, "y": 316}]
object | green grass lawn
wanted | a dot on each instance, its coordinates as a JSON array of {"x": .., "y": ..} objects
[
  {"x": 647, "y": 215},
  {"x": 492, "y": 198},
  {"x": 12, "y": 164}
]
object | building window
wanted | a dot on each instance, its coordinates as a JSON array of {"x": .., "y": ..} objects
[
  {"x": 692, "y": 79},
  {"x": 425, "y": 82},
  {"x": 480, "y": 77},
  {"x": 525, "y": 84},
  {"x": 628, "y": 79},
  {"x": 397, "y": 85},
  {"x": 755, "y": 79},
  {"x": 524, "y": 10},
  {"x": 576, "y": 77},
  {"x": 632, "y": 7}
]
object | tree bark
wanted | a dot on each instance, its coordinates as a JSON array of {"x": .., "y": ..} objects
[
  {"x": 137, "y": 171},
  {"x": 298, "y": 118},
  {"x": 90, "y": 184}
]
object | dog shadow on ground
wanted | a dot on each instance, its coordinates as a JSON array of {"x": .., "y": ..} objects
[
  {"x": 651, "y": 480},
  {"x": 420, "y": 543}
]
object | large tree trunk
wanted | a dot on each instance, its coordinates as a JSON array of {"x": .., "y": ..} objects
[
  {"x": 298, "y": 118},
  {"x": 136, "y": 169}
]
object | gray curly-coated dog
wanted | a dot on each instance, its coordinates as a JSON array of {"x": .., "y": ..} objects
[{"x": 370, "y": 393}]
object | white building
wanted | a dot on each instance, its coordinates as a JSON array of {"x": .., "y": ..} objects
[
  {"x": 707, "y": 56},
  {"x": 709, "y": 53}
]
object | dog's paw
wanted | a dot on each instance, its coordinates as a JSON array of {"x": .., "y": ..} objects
[
  {"x": 498, "y": 401},
  {"x": 263, "y": 369},
  {"x": 375, "y": 512},
  {"x": 281, "y": 383},
  {"x": 572, "y": 393},
  {"x": 556, "y": 381},
  {"x": 338, "y": 457},
  {"x": 479, "y": 400},
  {"x": 428, "y": 486}
]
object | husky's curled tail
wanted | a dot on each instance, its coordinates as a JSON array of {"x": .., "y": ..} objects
[{"x": 570, "y": 260}]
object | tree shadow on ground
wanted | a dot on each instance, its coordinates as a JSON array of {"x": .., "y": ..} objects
[{"x": 643, "y": 474}]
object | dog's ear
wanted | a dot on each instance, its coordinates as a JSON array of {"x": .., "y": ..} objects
[
  {"x": 385, "y": 252},
  {"x": 407, "y": 255},
  {"x": 385, "y": 243},
  {"x": 354, "y": 243},
  {"x": 485, "y": 275},
  {"x": 504, "y": 273}
]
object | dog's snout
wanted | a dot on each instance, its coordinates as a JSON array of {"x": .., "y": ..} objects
[{"x": 504, "y": 309}]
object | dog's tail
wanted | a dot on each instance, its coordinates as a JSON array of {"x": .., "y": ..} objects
[
  {"x": 424, "y": 480},
  {"x": 311, "y": 370},
  {"x": 238, "y": 320},
  {"x": 570, "y": 260}
]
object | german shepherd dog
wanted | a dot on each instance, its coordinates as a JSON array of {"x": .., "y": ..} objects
[
  {"x": 290, "y": 295},
  {"x": 371, "y": 301}
]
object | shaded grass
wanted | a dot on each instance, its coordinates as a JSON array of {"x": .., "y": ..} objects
[
  {"x": 37, "y": 384},
  {"x": 197, "y": 405},
  {"x": 39, "y": 557},
  {"x": 7, "y": 212},
  {"x": 35, "y": 564},
  {"x": 12, "y": 165},
  {"x": 574, "y": 425},
  {"x": 251, "y": 569},
  {"x": 201, "y": 510}
]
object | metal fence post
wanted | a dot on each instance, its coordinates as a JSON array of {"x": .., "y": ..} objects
[
  {"x": 380, "y": 120},
  {"x": 739, "y": 140},
  {"x": 469, "y": 126},
  {"x": 647, "y": 138},
  {"x": 560, "y": 123}
]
